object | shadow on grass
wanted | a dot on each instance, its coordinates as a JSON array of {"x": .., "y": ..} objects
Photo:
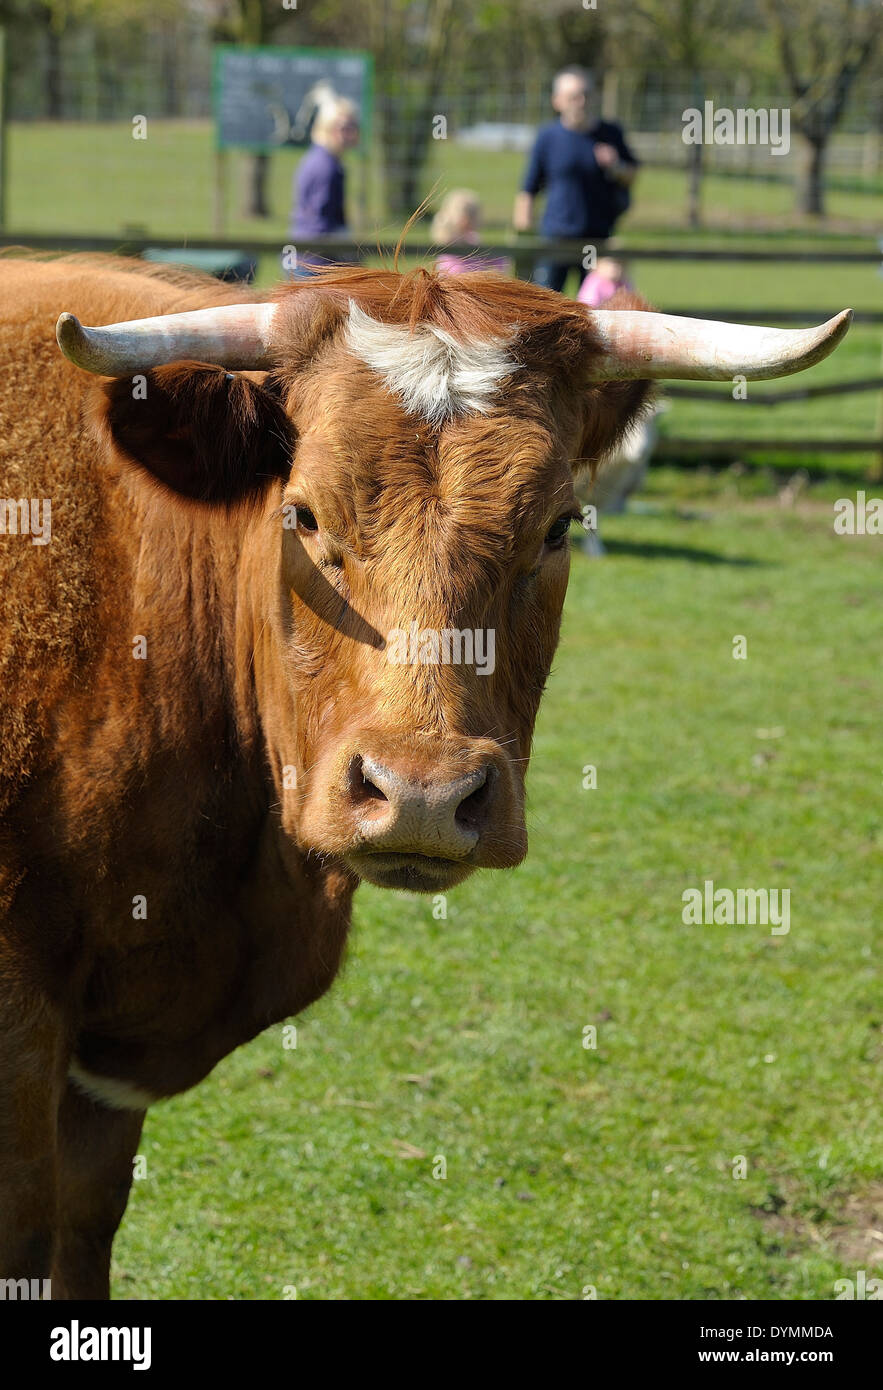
[{"x": 652, "y": 550}]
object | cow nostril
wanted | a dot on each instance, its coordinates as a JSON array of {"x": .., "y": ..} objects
[
  {"x": 370, "y": 792},
  {"x": 362, "y": 789},
  {"x": 471, "y": 811}
]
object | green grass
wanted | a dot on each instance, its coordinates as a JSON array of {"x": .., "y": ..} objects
[
  {"x": 463, "y": 1038},
  {"x": 95, "y": 178}
]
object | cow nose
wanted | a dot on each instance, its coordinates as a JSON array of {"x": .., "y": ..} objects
[{"x": 408, "y": 815}]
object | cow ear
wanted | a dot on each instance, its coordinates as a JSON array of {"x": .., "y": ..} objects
[
  {"x": 610, "y": 408},
  {"x": 204, "y": 432}
]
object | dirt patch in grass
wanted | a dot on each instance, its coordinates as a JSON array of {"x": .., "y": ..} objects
[{"x": 851, "y": 1230}]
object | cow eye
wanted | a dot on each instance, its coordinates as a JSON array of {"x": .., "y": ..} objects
[
  {"x": 305, "y": 519},
  {"x": 557, "y": 533}
]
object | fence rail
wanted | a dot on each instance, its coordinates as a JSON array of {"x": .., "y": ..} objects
[
  {"x": 523, "y": 251},
  {"x": 671, "y": 447},
  {"x": 773, "y": 398}
]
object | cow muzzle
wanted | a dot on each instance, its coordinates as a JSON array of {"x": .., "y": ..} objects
[{"x": 424, "y": 821}]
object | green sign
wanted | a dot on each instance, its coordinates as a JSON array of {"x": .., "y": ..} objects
[{"x": 266, "y": 98}]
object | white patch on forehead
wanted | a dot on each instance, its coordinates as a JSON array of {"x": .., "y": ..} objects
[{"x": 435, "y": 376}]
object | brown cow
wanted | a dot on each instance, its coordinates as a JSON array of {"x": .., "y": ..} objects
[{"x": 205, "y": 743}]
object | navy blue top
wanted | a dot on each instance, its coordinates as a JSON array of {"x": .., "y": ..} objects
[
  {"x": 581, "y": 200},
  {"x": 318, "y": 194}
]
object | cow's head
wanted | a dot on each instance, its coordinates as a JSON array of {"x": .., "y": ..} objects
[{"x": 413, "y": 441}]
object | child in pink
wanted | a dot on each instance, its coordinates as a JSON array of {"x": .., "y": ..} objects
[
  {"x": 458, "y": 220},
  {"x": 608, "y": 276}
]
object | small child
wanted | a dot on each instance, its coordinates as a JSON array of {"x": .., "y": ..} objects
[
  {"x": 623, "y": 473},
  {"x": 601, "y": 283},
  {"x": 459, "y": 219}
]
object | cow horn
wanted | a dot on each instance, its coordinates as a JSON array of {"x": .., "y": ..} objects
[
  {"x": 236, "y": 336},
  {"x": 643, "y": 346}
]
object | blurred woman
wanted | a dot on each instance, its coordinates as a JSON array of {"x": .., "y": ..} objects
[{"x": 320, "y": 181}]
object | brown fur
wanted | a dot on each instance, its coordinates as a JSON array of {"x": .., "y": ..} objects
[{"x": 166, "y": 778}]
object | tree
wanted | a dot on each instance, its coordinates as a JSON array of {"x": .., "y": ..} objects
[
  {"x": 407, "y": 108},
  {"x": 693, "y": 35},
  {"x": 413, "y": 46},
  {"x": 823, "y": 46},
  {"x": 251, "y": 22}
]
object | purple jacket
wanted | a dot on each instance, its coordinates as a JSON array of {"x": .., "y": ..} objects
[{"x": 318, "y": 194}]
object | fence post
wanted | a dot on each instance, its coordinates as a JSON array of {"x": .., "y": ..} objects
[
  {"x": 220, "y": 192},
  {"x": 877, "y": 467},
  {"x": 610, "y": 95},
  {"x": 523, "y": 262}
]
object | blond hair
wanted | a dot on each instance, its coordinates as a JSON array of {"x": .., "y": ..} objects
[
  {"x": 612, "y": 267},
  {"x": 457, "y": 207},
  {"x": 328, "y": 114}
]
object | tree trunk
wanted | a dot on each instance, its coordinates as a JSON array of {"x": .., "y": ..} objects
[
  {"x": 416, "y": 150},
  {"x": 811, "y": 183},
  {"x": 254, "y": 28},
  {"x": 256, "y": 188},
  {"x": 172, "y": 43},
  {"x": 387, "y": 145},
  {"x": 414, "y": 139},
  {"x": 54, "y": 100},
  {"x": 695, "y": 156},
  {"x": 694, "y": 186}
]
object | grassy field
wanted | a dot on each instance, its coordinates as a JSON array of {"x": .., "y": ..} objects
[
  {"x": 97, "y": 178},
  {"x": 462, "y": 1038}
]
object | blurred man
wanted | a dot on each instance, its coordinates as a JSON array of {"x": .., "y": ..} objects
[{"x": 586, "y": 169}]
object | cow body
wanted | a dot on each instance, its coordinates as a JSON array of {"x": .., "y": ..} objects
[
  {"x": 161, "y": 904},
  {"x": 204, "y": 742}
]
